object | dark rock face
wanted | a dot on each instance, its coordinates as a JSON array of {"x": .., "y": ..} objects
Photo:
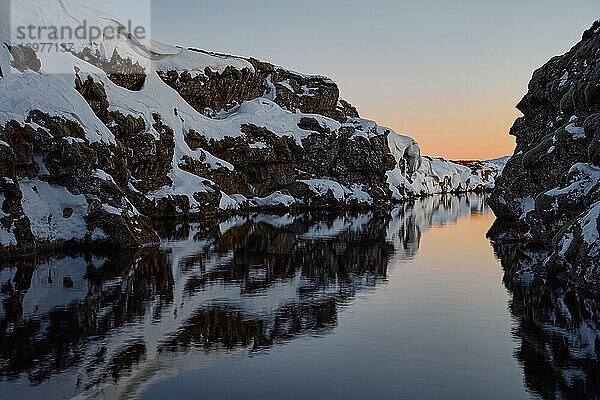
[
  {"x": 260, "y": 171},
  {"x": 24, "y": 58},
  {"x": 56, "y": 155},
  {"x": 95, "y": 95},
  {"x": 122, "y": 71},
  {"x": 212, "y": 92},
  {"x": 282, "y": 162},
  {"x": 551, "y": 185}
]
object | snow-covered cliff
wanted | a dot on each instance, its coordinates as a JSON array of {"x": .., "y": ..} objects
[{"x": 98, "y": 135}]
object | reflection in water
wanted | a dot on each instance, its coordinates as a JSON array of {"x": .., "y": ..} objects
[
  {"x": 84, "y": 324},
  {"x": 558, "y": 328}
]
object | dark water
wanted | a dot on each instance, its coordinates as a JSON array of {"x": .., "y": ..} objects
[{"x": 410, "y": 305}]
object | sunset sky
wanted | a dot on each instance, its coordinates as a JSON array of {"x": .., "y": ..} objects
[{"x": 447, "y": 73}]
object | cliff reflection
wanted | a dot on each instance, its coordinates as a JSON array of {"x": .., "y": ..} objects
[
  {"x": 558, "y": 328},
  {"x": 244, "y": 284}
]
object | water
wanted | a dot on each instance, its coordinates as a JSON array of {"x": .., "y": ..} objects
[{"x": 410, "y": 305}]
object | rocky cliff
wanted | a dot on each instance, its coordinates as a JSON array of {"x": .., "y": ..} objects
[
  {"x": 99, "y": 137},
  {"x": 550, "y": 188}
]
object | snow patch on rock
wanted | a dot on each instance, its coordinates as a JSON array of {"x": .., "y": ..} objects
[{"x": 44, "y": 205}]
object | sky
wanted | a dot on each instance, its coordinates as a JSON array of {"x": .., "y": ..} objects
[{"x": 447, "y": 73}]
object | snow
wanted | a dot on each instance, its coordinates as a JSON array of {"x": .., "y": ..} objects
[
  {"x": 501, "y": 162},
  {"x": 565, "y": 243},
  {"x": 261, "y": 112},
  {"x": 564, "y": 79},
  {"x": 2, "y": 213},
  {"x": 53, "y": 94},
  {"x": 101, "y": 174},
  {"x": 576, "y": 131},
  {"x": 426, "y": 175},
  {"x": 273, "y": 200},
  {"x": 323, "y": 186},
  {"x": 112, "y": 210},
  {"x": 527, "y": 205},
  {"x": 44, "y": 204},
  {"x": 7, "y": 237},
  {"x": 358, "y": 194},
  {"x": 306, "y": 92},
  {"x": 455, "y": 176},
  {"x": 584, "y": 178},
  {"x": 71, "y": 140},
  {"x": 369, "y": 129},
  {"x": 147, "y": 53},
  {"x": 589, "y": 225},
  {"x": 98, "y": 234},
  {"x": 286, "y": 84},
  {"x": 228, "y": 203},
  {"x": 271, "y": 92},
  {"x": 39, "y": 159},
  {"x": 340, "y": 192},
  {"x": 436, "y": 176},
  {"x": 258, "y": 145},
  {"x": 404, "y": 148},
  {"x": 184, "y": 183}
]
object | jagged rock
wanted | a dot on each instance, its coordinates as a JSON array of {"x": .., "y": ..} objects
[
  {"x": 24, "y": 58},
  {"x": 56, "y": 168},
  {"x": 551, "y": 185},
  {"x": 211, "y": 92},
  {"x": 95, "y": 95},
  {"x": 121, "y": 71}
]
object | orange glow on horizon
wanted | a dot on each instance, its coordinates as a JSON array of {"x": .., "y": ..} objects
[
  {"x": 463, "y": 129},
  {"x": 454, "y": 138}
]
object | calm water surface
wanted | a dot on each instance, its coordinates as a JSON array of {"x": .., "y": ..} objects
[{"x": 410, "y": 305}]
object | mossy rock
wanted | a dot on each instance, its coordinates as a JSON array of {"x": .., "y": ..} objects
[
  {"x": 95, "y": 94},
  {"x": 127, "y": 126},
  {"x": 58, "y": 127}
]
